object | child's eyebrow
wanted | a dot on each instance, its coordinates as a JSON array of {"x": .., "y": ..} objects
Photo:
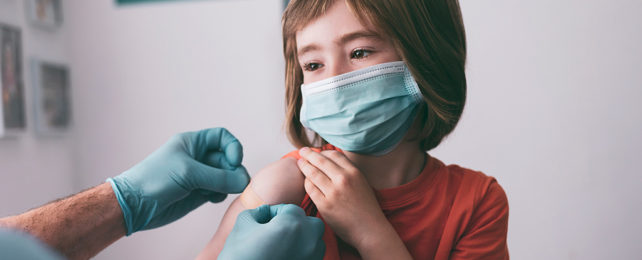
[
  {"x": 345, "y": 38},
  {"x": 308, "y": 48},
  {"x": 348, "y": 37}
]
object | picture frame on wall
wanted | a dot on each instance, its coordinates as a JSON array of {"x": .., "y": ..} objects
[
  {"x": 11, "y": 84},
  {"x": 128, "y": 2},
  {"x": 45, "y": 13},
  {"x": 52, "y": 97}
]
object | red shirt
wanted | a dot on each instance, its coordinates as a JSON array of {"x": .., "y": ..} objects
[{"x": 447, "y": 212}]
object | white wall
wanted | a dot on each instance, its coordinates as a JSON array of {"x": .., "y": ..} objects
[
  {"x": 145, "y": 72},
  {"x": 33, "y": 170},
  {"x": 552, "y": 112}
]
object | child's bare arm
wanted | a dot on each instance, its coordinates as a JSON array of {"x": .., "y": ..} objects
[
  {"x": 215, "y": 245},
  {"x": 279, "y": 182}
]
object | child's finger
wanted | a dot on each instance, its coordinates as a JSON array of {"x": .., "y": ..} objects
[
  {"x": 314, "y": 192},
  {"x": 315, "y": 175},
  {"x": 339, "y": 159},
  {"x": 319, "y": 161}
]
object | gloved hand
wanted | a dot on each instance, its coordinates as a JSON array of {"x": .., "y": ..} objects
[
  {"x": 275, "y": 232},
  {"x": 188, "y": 170},
  {"x": 18, "y": 245}
]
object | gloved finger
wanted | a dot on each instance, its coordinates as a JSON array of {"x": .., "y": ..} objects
[
  {"x": 217, "y": 197},
  {"x": 319, "y": 250},
  {"x": 218, "y": 160},
  {"x": 286, "y": 210},
  {"x": 213, "y": 196},
  {"x": 315, "y": 226},
  {"x": 218, "y": 180},
  {"x": 260, "y": 215},
  {"x": 234, "y": 153},
  {"x": 313, "y": 245},
  {"x": 219, "y": 139}
]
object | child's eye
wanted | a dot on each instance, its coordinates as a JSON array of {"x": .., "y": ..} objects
[
  {"x": 312, "y": 66},
  {"x": 360, "y": 54}
]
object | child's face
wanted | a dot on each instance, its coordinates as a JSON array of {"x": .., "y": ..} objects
[{"x": 337, "y": 43}]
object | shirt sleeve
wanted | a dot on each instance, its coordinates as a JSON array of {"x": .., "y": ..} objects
[{"x": 485, "y": 236}]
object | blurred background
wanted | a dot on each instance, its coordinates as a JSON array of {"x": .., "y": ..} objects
[{"x": 553, "y": 110}]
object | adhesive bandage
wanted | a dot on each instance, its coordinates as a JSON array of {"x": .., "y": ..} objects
[{"x": 249, "y": 199}]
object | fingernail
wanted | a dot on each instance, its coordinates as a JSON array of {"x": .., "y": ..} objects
[{"x": 304, "y": 150}]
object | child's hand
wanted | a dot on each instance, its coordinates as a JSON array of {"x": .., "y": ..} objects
[{"x": 343, "y": 196}]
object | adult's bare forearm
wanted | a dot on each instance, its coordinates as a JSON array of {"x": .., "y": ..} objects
[{"x": 79, "y": 226}]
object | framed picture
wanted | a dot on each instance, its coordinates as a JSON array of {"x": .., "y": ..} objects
[
  {"x": 45, "y": 13},
  {"x": 126, "y": 2},
  {"x": 11, "y": 84},
  {"x": 52, "y": 97}
]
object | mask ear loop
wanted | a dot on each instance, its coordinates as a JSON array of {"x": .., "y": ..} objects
[{"x": 249, "y": 199}]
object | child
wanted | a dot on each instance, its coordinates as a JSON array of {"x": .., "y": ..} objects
[{"x": 377, "y": 84}]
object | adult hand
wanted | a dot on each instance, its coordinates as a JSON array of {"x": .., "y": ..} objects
[
  {"x": 188, "y": 170},
  {"x": 275, "y": 232},
  {"x": 342, "y": 195}
]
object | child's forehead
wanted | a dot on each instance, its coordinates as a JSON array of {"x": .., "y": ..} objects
[{"x": 339, "y": 20}]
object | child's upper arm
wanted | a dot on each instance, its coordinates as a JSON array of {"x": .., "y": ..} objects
[{"x": 279, "y": 182}]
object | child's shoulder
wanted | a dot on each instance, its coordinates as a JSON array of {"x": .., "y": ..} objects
[
  {"x": 468, "y": 175},
  {"x": 477, "y": 184},
  {"x": 279, "y": 182},
  {"x": 282, "y": 181}
]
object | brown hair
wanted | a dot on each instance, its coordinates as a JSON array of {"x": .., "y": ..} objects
[{"x": 427, "y": 34}]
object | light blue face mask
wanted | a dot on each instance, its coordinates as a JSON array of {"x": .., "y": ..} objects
[{"x": 367, "y": 111}]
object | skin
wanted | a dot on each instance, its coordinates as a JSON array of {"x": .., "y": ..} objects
[
  {"x": 279, "y": 182},
  {"x": 79, "y": 226},
  {"x": 341, "y": 185}
]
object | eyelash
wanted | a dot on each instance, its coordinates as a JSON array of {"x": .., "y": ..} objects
[
  {"x": 365, "y": 51},
  {"x": 308, "y": 66}
]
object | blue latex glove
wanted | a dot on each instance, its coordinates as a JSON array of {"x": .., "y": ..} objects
[
  {"x": 188, "y": 170},
  {"x": 17, "y": 245},
  {"x": 275, "y": 232}
]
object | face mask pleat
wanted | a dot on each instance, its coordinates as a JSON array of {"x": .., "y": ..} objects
[
  {"x": 364, "y": 119},
  {"x": 366, "y": 111},
  {"x": 380, "y": 138},
  {"x": 356, "y": 94}
]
